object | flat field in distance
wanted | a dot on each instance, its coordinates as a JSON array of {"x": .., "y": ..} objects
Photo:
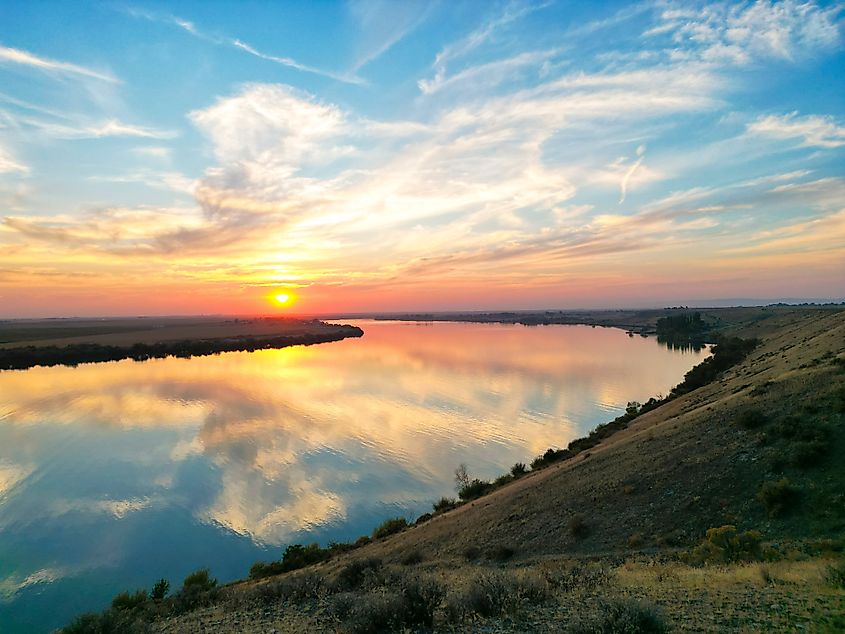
[{"x": 125, "y": 331}]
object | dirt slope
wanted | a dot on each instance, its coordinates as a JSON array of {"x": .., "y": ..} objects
[{"x": 677, "y": 470}]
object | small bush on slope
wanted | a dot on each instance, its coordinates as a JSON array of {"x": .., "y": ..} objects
[{"x": 622, "y": 617}]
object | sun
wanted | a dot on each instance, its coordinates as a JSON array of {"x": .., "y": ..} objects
[{"x": 282, "y": 299}]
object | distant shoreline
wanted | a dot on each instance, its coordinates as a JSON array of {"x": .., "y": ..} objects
[
  {"x": 633, "y": 321},
  {"x": 240, "y": 339}
]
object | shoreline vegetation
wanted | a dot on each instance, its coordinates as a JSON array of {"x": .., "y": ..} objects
[
  {"x": 290, "y": 333},
  {"x": 780, "y": 438}
]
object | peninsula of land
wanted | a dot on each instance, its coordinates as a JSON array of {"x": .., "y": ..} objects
[{"x": 27, "y": 343}]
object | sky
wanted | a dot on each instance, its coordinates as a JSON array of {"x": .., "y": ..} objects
[{"x": 201, "y": 158}]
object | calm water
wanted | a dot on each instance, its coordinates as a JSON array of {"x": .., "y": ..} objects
[{"x": 114, "y": 475}]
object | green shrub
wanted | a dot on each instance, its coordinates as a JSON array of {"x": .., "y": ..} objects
[
  {"x": 836, "y": 575},
  {"x": 475, "y": 489},
  {"x": 725, "y": 354},
  {"x": 421, "y": 597},
  {"x": 471, "y": 553},
  {"x": 422, "y": 519},
  {"x": 297, "y": 556},
  {"x": 356, "y": 573},
  {"x": 778, "y": 497},
  {"x": 840, "y": 395},
  {"x": 198, "y": 590},
  {"x": 295, "y": 588},
  {"x": 88, "y": 623},
  {"x": 444, "y": 504},
  {"x": 805, "y": 454},
  {"x": 493, "y": 594},
  {"x": 262, "y": 569},
  {"x": 407, "y": 603},
  {"x": 412, "y": 558},
  {"x": 751, "y": 419},
  {"x": 579, "y": 578},
  {"x": 578, "y": 527},
  {"x": 622, "y": 617},
  {"x": 502, "y": 480},
  {"x": 107, "y": 622},
  {"x": 761, "y": 389},
  {"x": 337, "y": 548},
  {"x": 129, "y": 600},
  {"x": 725, "y": 544},
  {"x": 500, "y": 553},
  {"x": 550, "y": 457},
  {"x": 390, "y": 527},
  {"x": 518, "y": 470},
  {"x": 777, "y": 460},
  {"x": 160, "y": 590},
  {"x": 367, "y": 614},
  {"x": 200, "y": 579}
]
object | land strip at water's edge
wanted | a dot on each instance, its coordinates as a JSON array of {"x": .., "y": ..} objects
[
  {"x": 700, "y": 514},
  {"x": 752, "y": 320},
  {"x": 29, "y": 343}
]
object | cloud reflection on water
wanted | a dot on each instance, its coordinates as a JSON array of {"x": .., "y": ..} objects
[
  {"x": 115, "y": 474},
  {"x": 300, "y": 435}
]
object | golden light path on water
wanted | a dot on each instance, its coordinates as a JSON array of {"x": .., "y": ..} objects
[{"x": 302, "y": 443}]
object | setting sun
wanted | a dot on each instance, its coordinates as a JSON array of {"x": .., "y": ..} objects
[{"x": 283, "y": 299}]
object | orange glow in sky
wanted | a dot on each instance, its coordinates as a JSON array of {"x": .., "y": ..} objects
[{"x": 628, "y": 163}]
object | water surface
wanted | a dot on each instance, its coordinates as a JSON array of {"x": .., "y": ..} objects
[{"x": 113, "y": 475}]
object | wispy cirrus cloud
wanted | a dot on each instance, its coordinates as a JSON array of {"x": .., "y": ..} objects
[
  {"x": 382, "y": 24},
  {"x": 236, "y": 43},
  {"x": 93, "y": 130},
  {"x": 9, "y": 164},
  {"x": 811, "y": 130},
  {"x": 629, "y": 173},
  {"x": 31, "y": 60},
  {"x": 513, "y": 12}
]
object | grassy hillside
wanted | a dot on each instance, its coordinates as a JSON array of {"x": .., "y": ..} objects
[{"x": 614, "y": 539}]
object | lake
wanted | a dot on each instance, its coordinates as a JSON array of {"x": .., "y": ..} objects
[{"x": 114, "y": 475}]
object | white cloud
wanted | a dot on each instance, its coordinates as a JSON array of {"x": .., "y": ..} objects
[
  {"x": 271, "y": 125},
  {"x": 116, "y": 508},
  {"x": 157, "y": 180},
  {"x": 629, "y": 173},
  {"x": 25, "y": 58},
  {"x": 11, "y": 475},
  {"x": 475, "y": 39},
  {"x": 153, "y": 151},
  {"x": 9, "y": 164},
  {"x": 812, "y": 130},
  {"x": 489, "y": 74},
  {"x": 740, "y": 33},
  {"x": 220, "y": 40},
  {"x": 382, "y": 24},
  {"x": 292, "y": 63},
  {"x": 96, "y": 130}
]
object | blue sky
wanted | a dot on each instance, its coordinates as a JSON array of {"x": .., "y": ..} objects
[{"x": 194, "y": 157}]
